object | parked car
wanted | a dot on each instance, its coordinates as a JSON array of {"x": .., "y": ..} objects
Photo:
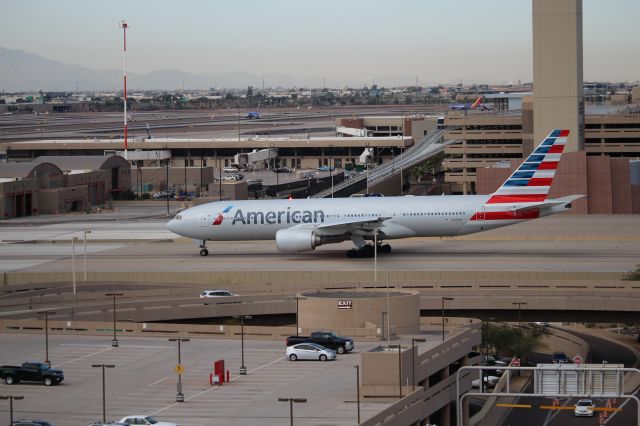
[
  {"x": 236, "y": 176},
  {"x": 326, "y": 339},
  {"x": 216, "y": 293},
  {"x": 559, "y": 358},
  {"x": 491, "y": 360},
  {"x": 163, "y": 195},
  {"x": 310, "y": 351},
  {"x": 31, "y": 372},
  {"x": 490, "y": 382},
  {"x": 230, "y": 169},
  {"x": 144, "y": 420},
  {"x": 31, "y": 423},
  {"x": 584, "y": 408},
  {"x": 325, "y": 169},
  {"x": 282, "y": 170},
  {"x": 109, "y": 424}
]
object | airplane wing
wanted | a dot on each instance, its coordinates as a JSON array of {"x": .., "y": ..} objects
[{"x": 369, "y": 224}]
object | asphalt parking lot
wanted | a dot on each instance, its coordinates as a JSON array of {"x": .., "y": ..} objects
[{"x": 144, "y": 382}]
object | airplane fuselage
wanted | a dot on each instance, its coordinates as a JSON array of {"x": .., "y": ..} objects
[{"x": 406, "y": 216}]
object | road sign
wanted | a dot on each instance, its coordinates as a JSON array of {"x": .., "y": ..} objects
[
  {"x": 577, "y": 360},
  {"x": 179, "y": 369},
  {"x": 516, "y": 362}
]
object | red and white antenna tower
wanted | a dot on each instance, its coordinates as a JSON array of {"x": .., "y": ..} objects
[{"x": 124, "y": 27}]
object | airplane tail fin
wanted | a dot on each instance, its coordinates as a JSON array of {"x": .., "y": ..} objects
[
  {"x": 531, "y": 182},
  {"x": 477, "y": 102}
]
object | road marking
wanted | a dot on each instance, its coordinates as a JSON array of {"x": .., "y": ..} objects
[
  {"x": 514, "y": 405},
  {"x": 606, "y": 409},
  {"x": 161, "y": 380},
  {"x": 83, "y": 357},
  {"x": 553, "y": 407},
  {"x": 216, "y": 387}
]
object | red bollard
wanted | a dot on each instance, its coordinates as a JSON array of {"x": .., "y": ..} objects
[{"x": 227, "y": 376}]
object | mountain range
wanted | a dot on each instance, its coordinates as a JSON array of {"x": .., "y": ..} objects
[{"x": 23, "y": 71}]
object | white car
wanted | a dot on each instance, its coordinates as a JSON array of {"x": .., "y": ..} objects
[
  {"x": 144, "y": 420},
  {"x": 229, "y": 169},
  {"x": 310, "y": 351},
  {"x": 584, "y": 408},
  {"x": 216, "y": 293},
  {"x": 489, "y": 381}
]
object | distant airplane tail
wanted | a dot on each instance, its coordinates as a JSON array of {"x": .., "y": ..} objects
[{"x": 477, "y": 102}]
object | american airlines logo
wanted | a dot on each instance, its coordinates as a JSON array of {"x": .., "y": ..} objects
[
  {"x": 218, "y": 220},
  {"x": 276, "y": 217}
]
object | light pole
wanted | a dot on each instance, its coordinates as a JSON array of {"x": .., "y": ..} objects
[
  {"x": 291, "y": 401},
  {"x": 86, "y": 231},
  {"x": 357, "y": 367},
  {"x": 367, "y": 166},
  {"x": 11, "y": 398},
  {"x": 413, "y": 358},
  {"x": 46, "y": 336},
  {"x": 166, "y": 165},
  {"x": 243, "y": 369},
  {"x": 399, "y": 367},
  {"x": 331, "y": 167},
  {"x": 297, "y": 316},
  {"x": 179, "y": 369},
  {"x": 104, "y": 397},
  {"x": 519, "y": 308},
  {"x": 443, "y": 300},
  {"x": 114, "y": 342},
  {"x": 73, "y": 266}
]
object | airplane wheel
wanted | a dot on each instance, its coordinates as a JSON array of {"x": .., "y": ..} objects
[
  {"x": 367, "y": 251},
  {"x": 385, "y": 248},
  {"x": 204, "y": 252}
]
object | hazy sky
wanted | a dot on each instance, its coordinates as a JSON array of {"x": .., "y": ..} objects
[{"x": 435, "y": 41}]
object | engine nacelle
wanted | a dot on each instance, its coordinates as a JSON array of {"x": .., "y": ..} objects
[{"x": 296, "y": 240}]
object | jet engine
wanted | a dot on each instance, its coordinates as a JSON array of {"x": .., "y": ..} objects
[{"x": 297, "y": 240}]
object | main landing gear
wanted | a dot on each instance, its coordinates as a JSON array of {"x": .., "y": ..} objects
[
  {"x": 203, "y": 249},
  {"x": 368, "y": 251}
]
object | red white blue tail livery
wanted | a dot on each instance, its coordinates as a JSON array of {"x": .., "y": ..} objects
[{"x": 303, "y": 225}]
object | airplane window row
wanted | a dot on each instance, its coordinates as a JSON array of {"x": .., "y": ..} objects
[{"x": 433, "y": 214}]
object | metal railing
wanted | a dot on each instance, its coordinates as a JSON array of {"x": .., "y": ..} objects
[{"x": 430, "y": 145}]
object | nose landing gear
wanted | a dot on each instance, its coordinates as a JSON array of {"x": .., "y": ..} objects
[{"x": 203, "y": 248}]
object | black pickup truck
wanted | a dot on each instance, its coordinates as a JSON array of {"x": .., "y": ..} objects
[
  {"x": 31, "y": 372},
  {"x": 324, "y": 338}
]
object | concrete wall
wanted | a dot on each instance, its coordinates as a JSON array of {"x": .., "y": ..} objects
[
  {"x": 231, "y": 190},
  {"x": 62, "y": 200},
  {"x": 557, "y": 70},
  {"x": 157, "y": 176},
  {"x": 320, "y": 312}
]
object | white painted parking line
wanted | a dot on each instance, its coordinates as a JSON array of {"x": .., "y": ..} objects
[
  {"x": 158, "y": 381},
  {"x": 82, "y": 357}
]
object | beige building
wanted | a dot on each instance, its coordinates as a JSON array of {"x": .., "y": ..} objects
[
  {"x": 557, "y": 70},
  {"x": 60, "y": 184}
]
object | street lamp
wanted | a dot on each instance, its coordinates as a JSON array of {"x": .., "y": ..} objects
[
  {"x": 114, "y": 342},
  {"x": 367, "y": 166},
  {"x": 73, "y": 266},
  {"x": 357, "y": 367},
  {"x": 413, "y": 358},
  {"x": 11, "y": 398},
  {"x": 86, "y": 231},
  {"x": 331, "y": 167},
  {"x": 166, "y": 163},
  {"x": 297, "y": 315},
  {"x": 443, "y": 300},
  {"x": 46, "y": 336},
  {"x": 104, "y": 398},
  {"x": 519, "y": 308},
  {"x": 179, "y": 369},
  {"x": 243, "y": 369},
  {"x": 399, "y": 367},
  {"x": 291, "y": 401}
]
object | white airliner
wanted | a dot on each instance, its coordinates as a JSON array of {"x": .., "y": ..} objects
[{"x": 304, "y": 224}]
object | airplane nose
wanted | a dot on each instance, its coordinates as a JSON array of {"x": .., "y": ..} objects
[{"x": 173, "y": 226}]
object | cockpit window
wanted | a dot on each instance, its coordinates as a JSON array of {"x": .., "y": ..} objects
[{"x": 178, "y": 217}]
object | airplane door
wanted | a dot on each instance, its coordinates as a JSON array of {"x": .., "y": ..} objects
[{"x": 202, "y": 219}]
